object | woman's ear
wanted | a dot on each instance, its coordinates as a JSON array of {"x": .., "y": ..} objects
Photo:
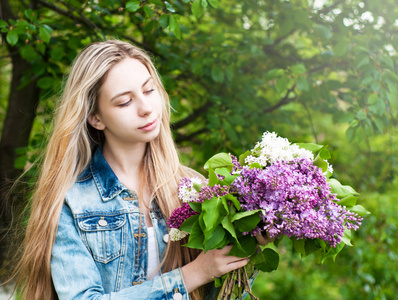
[{"x": 95, "y": 122}]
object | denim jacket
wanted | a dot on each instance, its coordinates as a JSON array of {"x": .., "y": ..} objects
[{"x": 99, "y": 251}]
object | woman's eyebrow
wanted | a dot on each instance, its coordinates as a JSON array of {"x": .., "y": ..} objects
[
  {"x": 127, "y": 92},
  {"x": 146, "y": 81}
]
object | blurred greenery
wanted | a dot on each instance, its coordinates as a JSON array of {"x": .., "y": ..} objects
[{"x": 322, "y": 71}]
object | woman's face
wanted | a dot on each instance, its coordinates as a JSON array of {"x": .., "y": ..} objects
[{"x": 129, "y": 105}]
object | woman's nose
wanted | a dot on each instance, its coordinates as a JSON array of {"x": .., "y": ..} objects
[{"x": 144, "y": 107}]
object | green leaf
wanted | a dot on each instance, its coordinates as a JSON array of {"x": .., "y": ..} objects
[
  {"x": 323, "y": 32},
  {"x": 243, "y": 156},
  {"x": 217, "y": 74},
  {"x": 3, "y": 24},
  {"x": 299, "y": 245},
  {"x": 324, "y": 153},
  {"x": 213, "y": 212},
  {"x": 197, "y": 186},
  {"x": 213, "y": 180},
  {"x": 196, "y": 206},
  {"x": 361, "y": 115},
  {"x": 12, "y": 37},
  {"x": 359, "y": 209},
  {"x": 218, "y": 161},
  {"x": 281, "y": 84},
  {"x": 350, "y": 134},
  {"x": 57, "y": 53},
  {"x": 298, "y": 69},
  {"x": 157, "y": 2},
  {"x": 332, "y": 252},
  {"x": 196, "y": 237},
  {"x": 164, "y": 21},
  {"x": 226, "y": 173},
  {"x": 320, "y": 163},
  {"x": 45, "y": 33},
  {"x": 133, "y": 5},
  {"x": 373, "y": 98},
  {"x": 217, "y": 282},
  {"x": 341, "y": 190},
  {"x": 302, "y": 84},
  {"x": 248, "y": 223},
  {"x": 274, "y": 73},
  {"x": 197, "y": 8},
  {"x": 247, "y": 243},
  {"x": 245, "y": 214},
  {"x": 379, "y": 124},
  {"x": 216, "y": 240},
  {"x": 348, "y": 201},
  {"x": 267, "y": 260},
  {"x": 346, "y": 239},
  {"x": 340, "y": 48},
  {"x": 29, "y": 53},
  {"x": 234, "y": 200},
  {"x": 310, "y": 146},
  {"x": 354, "y": 123},
  {"x": 213, "y": 3},
  {"x": 148, "y": 11},
  {"x": 227, "y": 224},
  {"x": 310, "y": 246},
  {"x": 169, "y": 7},
  {"x": 175, "y": 27},
  {"x": 45, "y": 82},
  {"x": 188, "y": 223},
  {"x": 20, "y": 162}
]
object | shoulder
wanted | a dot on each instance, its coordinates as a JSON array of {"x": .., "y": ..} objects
[{"x": 82, "y": 192}]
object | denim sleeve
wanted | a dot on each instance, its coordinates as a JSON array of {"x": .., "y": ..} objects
[{"x": 76, "y": 276}]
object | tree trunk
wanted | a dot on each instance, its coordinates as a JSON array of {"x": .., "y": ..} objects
[{"x": 22, "y": 105}]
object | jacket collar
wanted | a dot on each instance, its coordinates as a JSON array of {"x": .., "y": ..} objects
[{"x": 107, "y": 183}]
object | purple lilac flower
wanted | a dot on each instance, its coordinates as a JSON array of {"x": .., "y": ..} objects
[
  {"x": 296, "y": 201},
  {"x": 179, "y": 215},
  {"x": 208, "y": 192},
  {"x": 236, "y": 165}
]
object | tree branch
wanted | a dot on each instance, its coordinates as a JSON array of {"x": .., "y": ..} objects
[
  {"x": 91, "y": 25},
  {"x": 328, "y": 9},
  {"x": 195, "y": 114},
  {"x": 285, "y": 100},
  {"x": 181, "y": 138}
]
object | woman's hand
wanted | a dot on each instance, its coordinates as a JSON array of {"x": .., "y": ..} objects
[
  {"x": 264, "y": 240},
  {"x": 207, "y": 266}
]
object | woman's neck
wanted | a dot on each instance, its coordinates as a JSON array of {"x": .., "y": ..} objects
[{"x": 125, "y": 163}]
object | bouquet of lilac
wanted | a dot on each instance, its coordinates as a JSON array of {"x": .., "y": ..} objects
[{"x": 278, "y": 189}]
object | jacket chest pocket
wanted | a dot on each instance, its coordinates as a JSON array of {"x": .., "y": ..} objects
[{"x": 103, "y": 235}]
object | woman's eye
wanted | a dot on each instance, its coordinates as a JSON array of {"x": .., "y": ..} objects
[
  {"x": 149, "y": 91},
  {"x": 125, "y": 103}
]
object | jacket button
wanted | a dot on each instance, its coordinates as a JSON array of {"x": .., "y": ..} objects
[
  {"x": 166, "y": 238},
  {"x": 102, "y": 222},
  {"x": 177, "y": 296}
]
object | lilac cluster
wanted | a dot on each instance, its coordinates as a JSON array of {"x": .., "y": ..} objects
[
  {"x": 208, "y": 192},
  {"x": 179, "y": 215},
  {"x": 295, "y": 200},
  {"x": 186, "y": 192}
]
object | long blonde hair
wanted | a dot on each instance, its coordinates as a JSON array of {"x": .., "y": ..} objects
[{"x": 69, "y": 151}]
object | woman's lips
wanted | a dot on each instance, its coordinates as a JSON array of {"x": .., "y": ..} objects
[{"x": 150, "y": 126}]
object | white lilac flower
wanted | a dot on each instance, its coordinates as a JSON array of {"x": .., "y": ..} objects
[
  {"x": 272, "y": 148},
  {"x": 176, "y": 234},
  {"x": 330, "y": 168},
  {"x": 186, "y": 190}
]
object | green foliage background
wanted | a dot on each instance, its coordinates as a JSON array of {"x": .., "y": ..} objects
[{"x": 312, "y": 71}]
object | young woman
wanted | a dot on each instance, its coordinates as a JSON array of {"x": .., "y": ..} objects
[{"x": 108, "y": 183}]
